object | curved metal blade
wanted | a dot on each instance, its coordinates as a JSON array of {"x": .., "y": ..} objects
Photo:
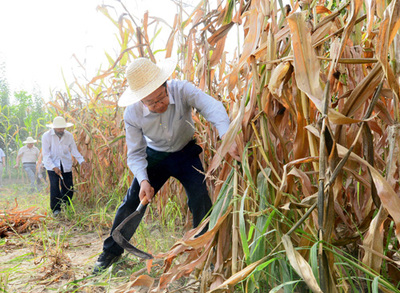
[
  {"x": 124, "y": 243},
  {"x": 128, "y": 246}
]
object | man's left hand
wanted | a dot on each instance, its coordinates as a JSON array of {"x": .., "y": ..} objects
[
  {"x": 234, "y": 152},
  {"x": 85, "y": 165}
]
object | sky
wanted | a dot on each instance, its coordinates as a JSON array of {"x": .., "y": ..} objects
[{"x": 38, "y": 38}]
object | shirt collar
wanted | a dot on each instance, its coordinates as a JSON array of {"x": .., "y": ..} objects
[{"x": 146, "y": 110}]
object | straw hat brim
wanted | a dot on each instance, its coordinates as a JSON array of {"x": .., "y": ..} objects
[
  {"x": 60, "y": 126},
  {"x": 33, "y": 141},
  {"x": 129, "y": 97}
]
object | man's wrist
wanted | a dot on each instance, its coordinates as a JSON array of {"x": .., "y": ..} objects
[{"x": 144, "y": 180}]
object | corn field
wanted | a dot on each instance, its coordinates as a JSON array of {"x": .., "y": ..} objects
[{"x": 312, "y": 90}]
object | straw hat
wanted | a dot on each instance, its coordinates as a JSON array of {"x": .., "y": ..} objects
[
  {"x": 59, "y": 122},
  {"x": 30, "y": 140},
  {"x": 144, "y": 77}
]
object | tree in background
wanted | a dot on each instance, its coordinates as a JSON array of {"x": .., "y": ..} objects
[
  {"x": 21, "y": 116},
  {"x": 4, "y": 89}
]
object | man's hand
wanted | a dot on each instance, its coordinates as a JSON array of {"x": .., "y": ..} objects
[
  {"x": 146, "y": 192},
  {"x": 234, "y": 152},
  {"x": 16, "y": 166},
  {"x": 57, "y": 170},
  {"x": 85, "y": 165}
]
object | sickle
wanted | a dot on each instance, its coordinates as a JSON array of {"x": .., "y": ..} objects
[{"x": 122, "y": 241}]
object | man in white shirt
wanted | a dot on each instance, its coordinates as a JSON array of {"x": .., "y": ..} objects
[
  {"x": 2, "y": 165},
  {"x": 58, "y": 147},
  {"x": 159, "y": 136},
  {"x": 29, "y": 154}
]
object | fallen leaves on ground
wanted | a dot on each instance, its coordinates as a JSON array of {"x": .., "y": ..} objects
[{"x": 15, "y": 221}]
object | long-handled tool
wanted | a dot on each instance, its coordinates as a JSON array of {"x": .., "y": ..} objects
[{"x": 122, "y": 241}]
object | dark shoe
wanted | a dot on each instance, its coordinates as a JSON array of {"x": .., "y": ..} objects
[{"x": 105, "y": 260}]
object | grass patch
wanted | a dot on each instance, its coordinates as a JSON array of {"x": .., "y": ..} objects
[{"x": 59, "y": 254}]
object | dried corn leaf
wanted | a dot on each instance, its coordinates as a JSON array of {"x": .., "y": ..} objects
[
  {"x": 380, "y": 7},
  {"x": 388, "y": 29},
  {"x": 18, "y": 221},
  {"x": 306, "y": 186},
  {"x": 306, "y": 63},
  {"x": 220, "y": 34},
  {"x": 238, "y": 277},
  {"x": 170, "y": 42},
  {"x": 196, "y": 249},
  {"x": 217, "y": 52},
  {"x": 228, "y": 138},
  {"x": 374, "y": 241},
  {"x": 142, "y": 280},
  {"x": 307, "y": 66},
  {"x": 390, "y": 200},
  {"x": 355, "y": 7},
  {"x": 300, "y": 265},
  {"x": 371, "y": 7},
  {"x": 253, "y": 35},
  {"x": 277, "y": 77},
  {"x": 363, "y": 91},
  {"x": 322, "y": 9}
]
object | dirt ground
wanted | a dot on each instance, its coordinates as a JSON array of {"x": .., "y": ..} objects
[
  {"x": 35, "y": 272},
  {"x": 58, "y": 256}
]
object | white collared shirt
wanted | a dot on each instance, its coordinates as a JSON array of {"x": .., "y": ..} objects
[
  {"x": 172, "y": 130},
  {"x": 29, "y": 155},
  {"x": 2, "y": 154},
  {"x": 56, "y": 151}
]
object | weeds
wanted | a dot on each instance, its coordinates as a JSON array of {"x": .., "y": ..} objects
[{"x": 43, "y": 256}]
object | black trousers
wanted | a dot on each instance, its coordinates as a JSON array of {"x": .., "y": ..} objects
[
  {"x": 60, "y": 192},
  {"x": 182, "y": 165}
]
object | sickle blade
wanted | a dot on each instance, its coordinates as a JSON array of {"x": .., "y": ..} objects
[
  {"x": 128, "y": 246},
  {"x": 123, "y": 242}
]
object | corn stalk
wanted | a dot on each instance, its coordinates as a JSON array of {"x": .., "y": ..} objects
[{"x": 313, "y": 98}]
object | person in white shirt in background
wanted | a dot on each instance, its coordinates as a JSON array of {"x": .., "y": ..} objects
[
  {"x": 2, "y": 165},
  {"x": 58, "y": 147},
  {"x": 29, "y": 154}
]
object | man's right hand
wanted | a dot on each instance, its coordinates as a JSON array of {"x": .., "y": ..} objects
[
  {"x": 57, "y": 170},
  {"x": 146, "y": 192}
]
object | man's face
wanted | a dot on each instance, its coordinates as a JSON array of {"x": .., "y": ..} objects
[
  {"x": 157, "y": 101},
  {"x": 59, "y": 131},
  {"x": 29, "y": 145}
]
